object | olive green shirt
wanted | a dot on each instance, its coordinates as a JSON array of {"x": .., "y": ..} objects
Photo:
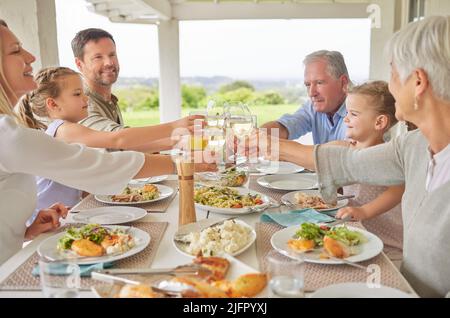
[{"x": 102, "y": 115}]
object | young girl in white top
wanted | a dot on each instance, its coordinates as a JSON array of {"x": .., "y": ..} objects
[
  {"x": 60, "y": 98},
  {"x": 370, "y": 114},
  {"x": 60, "y": 95},
  {"x": 28, "y": 152}
]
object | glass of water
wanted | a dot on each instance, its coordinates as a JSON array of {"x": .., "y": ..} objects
[
  {"x": 286, "y": 275},
  {"x": 59, "y": 279}
]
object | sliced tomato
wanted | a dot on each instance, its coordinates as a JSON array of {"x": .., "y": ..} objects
[
  {"x": 237, "y": 206},
  {"x": 259, "y": 201}
]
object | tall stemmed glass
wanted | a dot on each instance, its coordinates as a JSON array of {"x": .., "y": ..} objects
[
  {"x": 241, "y": 122},
  {"x": 215, "y": 128}
]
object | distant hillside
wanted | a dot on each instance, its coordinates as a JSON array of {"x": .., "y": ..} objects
[
  {"x": 212, "y": 84},
  {"x": 292, "y": 90}
]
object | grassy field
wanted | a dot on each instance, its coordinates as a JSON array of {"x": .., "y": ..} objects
[{"x": 265, "y": 113}]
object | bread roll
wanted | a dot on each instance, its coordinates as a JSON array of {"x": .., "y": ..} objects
[{"x": 137, "y": 291}]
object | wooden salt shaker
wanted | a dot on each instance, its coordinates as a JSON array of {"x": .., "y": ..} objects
[{"x": 185, "y": 170}]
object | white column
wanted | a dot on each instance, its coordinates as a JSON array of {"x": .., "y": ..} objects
[
  {"x": 383, "y": 27},
  {"x": 390, "y": 17},
  {"x": 48, "y": 39},
  {"x": 34, "y": 23},
  {"x": 437, "y": 7},
  {"x": 169, "y": 71}
]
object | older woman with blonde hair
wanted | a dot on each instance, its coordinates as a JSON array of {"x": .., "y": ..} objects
[
  {"x": 28, "y": 152},
  {"x": 420, "y": 81}
]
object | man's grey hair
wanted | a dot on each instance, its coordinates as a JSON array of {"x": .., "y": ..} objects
[
  {"x": 424, "y": 44},
  {"x": 335, "y": 61}
]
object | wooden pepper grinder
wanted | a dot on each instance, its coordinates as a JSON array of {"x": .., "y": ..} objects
[{"x": 185, "y": 170}]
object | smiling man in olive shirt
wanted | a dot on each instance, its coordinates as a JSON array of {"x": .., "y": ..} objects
[{"x": 96, "y": 58}]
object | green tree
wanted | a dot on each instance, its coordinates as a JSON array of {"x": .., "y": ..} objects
[
  {"x": 137, "y": 98},
  {"x": 192, "y": 95},
  {"x": 236, "y": 85},
  {"x": 268, "y": 98},
  {"x": 243, "y": 95}
]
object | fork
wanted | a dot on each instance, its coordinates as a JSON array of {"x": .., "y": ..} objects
[
  {"x": 180, "y": 237},
  {"x": 343, "y": 260},
  {"x": 112, "y": 279},
  {"x": 272, "y": 204}
]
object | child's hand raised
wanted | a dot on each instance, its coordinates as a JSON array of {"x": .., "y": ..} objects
[
  {"x": 357, "y": 213},
  {"x": 191, "y": 122}
]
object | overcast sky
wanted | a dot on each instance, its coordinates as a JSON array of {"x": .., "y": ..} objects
[{"x": 252, "y": 49}]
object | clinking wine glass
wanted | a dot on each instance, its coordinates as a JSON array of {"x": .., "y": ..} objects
[
  {"x": 215, "y": 129},
  {"x": 241, "y": 122}
]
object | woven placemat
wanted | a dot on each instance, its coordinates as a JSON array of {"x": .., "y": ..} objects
[
  {"x": 321, "y": 275},
  {"x": 161, "y": 206},
  {"x": 22, "y": 279}
]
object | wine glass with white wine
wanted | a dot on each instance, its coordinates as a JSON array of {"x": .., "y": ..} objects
[
  {"x": 241, "y": 122},
  {"x": 215, "y": 129}
]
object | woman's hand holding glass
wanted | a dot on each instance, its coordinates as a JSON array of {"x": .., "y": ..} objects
[
  {"x": 258, "y": 145},
  {"x": 239, "y": 123}
]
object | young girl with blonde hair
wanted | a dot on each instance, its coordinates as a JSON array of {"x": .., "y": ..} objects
[
  {"x": 29, "y": 152},
  {"x": 370, "y": 114},
  {"x": 60, "y": 98}
]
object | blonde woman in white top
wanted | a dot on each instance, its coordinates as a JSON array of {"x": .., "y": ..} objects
[{"x": 29, "y": 152}]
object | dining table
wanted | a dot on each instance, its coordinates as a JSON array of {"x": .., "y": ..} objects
[{"x": 166, "y": 254}]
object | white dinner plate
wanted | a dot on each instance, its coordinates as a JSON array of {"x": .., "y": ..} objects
[
  {"x": 367, "y": 250},
  {"x": 279, "y": 167},
  {"x": 144, "y": 181},
  {"x": 359, "y": 290},
  {"x": 203, "y": 224},
  {"x": 48, "y": 248},
  {"x": 290, "y": 197},
  {"x": 165, "y": 192},
  {"x": 292, "y": 182},
  {"x": 237, "y": 211},
  {"x": 109, "y": 215}
]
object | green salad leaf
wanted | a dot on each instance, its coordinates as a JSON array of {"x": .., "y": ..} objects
[
  {"x": 92, "y": 232},
  {"x": 311, "y": 231},
  {"x": 346, "y": 236}
]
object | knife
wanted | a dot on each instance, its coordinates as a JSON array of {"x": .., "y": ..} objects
[
  {"x": 117, "y": 279},
  {"x": 339, "y": 221},
  {"x": 189, "y": 269}
]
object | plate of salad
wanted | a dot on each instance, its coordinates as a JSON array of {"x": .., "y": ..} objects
[
  {"x": 318, "y": 243},
  {"x": 93, "y": 243},
  {"x": 226, "y": 200},
  {"x": 231, "y": 177}
]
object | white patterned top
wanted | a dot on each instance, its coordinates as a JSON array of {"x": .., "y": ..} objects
[{"x": 387, "y": 226}]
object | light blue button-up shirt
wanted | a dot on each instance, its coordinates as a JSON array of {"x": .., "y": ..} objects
[{"x": 306, "y": 120}]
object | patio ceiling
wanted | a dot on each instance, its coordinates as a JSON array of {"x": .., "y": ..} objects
[{"x": 153, "y": 11}]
